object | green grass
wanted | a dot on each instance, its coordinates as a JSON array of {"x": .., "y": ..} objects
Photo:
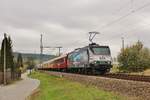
[{"x": 56, "y": 88}]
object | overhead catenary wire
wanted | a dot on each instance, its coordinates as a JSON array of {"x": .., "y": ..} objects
[
  {"x": 124, "y": 16},
  {"x": 123, "y": 7},
  {"x": 137, "y": 27},
  {"x": 118, "y": 10}
]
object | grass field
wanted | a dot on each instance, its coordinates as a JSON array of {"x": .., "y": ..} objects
[{"x": 56, "y": 88}]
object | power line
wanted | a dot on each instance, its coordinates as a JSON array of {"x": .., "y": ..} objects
[
  {"x": 147, "y": 4},
  {"x": 115, "y": 21},
  {"x": 122, "y": 7},
  {"x": 135, "y": 28},
  {"x": 124, "y": 16},
  {"x": 116, "y": 11}
]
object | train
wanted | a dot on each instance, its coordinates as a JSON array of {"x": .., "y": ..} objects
[{"x": 91, "y": 59}]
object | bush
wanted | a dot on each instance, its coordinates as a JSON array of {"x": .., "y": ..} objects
[{"x": 135, "y": 58}]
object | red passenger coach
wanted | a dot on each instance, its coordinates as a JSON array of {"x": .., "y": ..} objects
[{"x": 59, "y": 63}]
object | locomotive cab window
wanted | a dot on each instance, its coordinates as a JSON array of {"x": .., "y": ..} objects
[{"x": 101, "y": 50}]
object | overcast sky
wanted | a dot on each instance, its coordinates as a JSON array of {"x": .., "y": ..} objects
[{"x": 66, "y": 23}]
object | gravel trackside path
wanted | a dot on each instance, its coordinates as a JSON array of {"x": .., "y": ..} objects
[{"x": 19, "y": 90}]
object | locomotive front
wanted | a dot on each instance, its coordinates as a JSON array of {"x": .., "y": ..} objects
[{"x": 100, "y": 58}]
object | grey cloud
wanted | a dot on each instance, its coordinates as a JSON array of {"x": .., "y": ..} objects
[{"x": 67, "y": 22}]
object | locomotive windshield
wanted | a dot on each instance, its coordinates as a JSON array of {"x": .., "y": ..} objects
[{"x": 101, "y": 50}]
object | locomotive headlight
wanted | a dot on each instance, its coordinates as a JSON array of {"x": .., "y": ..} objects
[
  {"x": 93, "y": 59},
  {"x": 109, "y": 62}
]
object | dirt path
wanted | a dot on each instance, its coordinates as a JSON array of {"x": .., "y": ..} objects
[{"x": 19, "y": 90}]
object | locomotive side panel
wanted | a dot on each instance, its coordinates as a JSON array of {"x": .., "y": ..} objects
[{"x": 78, "y": 59}]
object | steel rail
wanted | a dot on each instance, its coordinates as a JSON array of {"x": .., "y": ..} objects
[{"x": 142, "y": 78}]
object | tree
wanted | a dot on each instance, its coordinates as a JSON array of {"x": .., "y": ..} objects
[
  {"x": 2, "y": 52},
  {"x": 1, "y": 67},
  {"x": 19, "y": 61},
  {"x": 19, "y": 64},
  {"x": 11, "y": 57},
  {"x": 9, "y": 54},
  {"x": 134, "y": 58}
]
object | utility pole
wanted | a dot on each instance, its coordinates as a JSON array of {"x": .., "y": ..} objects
[
  {"x": 122, "y": 43},
  {"x": 92, "y": 35},
  {"x": 41, "y": 50},
  {"x": 5, "y": 37},
  {"x": 58, "y": 50},
  {"x": 41, "y": 44}
]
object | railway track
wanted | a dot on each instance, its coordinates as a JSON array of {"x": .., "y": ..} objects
[
  {"x": 141, "y": 78},
  {"x": 123, "y": 76}
]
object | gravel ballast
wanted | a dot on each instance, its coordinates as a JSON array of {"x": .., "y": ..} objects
[{"x": 140, "y": 90}]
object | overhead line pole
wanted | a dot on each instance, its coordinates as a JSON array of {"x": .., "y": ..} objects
[
  {"x": 41, "y": 49},
  {"x": 122, "y": 43},
  {"x": 59, "y": 50}
]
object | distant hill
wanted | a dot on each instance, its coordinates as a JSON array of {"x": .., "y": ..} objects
[{"x": 34, "y": 56}]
